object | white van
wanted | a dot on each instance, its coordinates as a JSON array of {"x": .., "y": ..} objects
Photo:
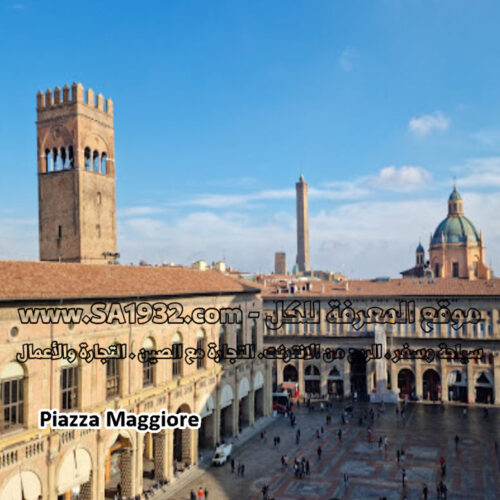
[{"x": 222, "y": 454}]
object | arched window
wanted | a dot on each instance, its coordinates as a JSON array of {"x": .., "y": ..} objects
[
  {"x": 222, "y": 336},
  {"x": 103, "y": 163},
  {"x": 63, "y": 158},
  {"x": 239, "y": 335},
  {"x": 88, "y": 165},
  {"x": 254, "y": 332},
  {"x": 177, "y": 350},
  {"x": 112, "y": 377},
  {"x": 57, "y": 159},
  {"x": 12, "y": 381},
  {"x": 147, "y": 366},
  {"x": 96, "y": 161},
  {"x": 49, "y": 167},
  {"x": 71, "y": 157},
  {"x": 69, "y": 386},
  {"x": 200, "y": 344}
]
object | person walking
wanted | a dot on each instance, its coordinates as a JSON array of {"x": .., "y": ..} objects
[
  {"x": 425, "y": 491},
  {"x": 206, "y": 493},
  {"x": 403, "y": 476},
  {"x": 398, "y": 455},
  {"x": 457, "y": 439},
  {"x": 242, "y": 470},
  {"x": 319, "y": 451},
  {"x": 232, "y": 465},
  {"x": 340, "y": 434},
  {"x": 192, "y": 495},
  {"x": 308, "y": 468},
  {"x": 200, "y": 494},
  {"x": 346, "y": 480}
]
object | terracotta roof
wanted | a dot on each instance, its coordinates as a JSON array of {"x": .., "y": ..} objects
[
  {"x": 47, "y": 280},
  {"x": 394, "y": 287}
]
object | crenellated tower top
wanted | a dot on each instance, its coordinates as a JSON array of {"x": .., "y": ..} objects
[{"x": 69, "y": 96}]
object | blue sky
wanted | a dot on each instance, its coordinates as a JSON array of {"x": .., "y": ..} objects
[{"x": 219, "y": 106}]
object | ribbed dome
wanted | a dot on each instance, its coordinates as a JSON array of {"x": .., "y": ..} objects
[
  {"x": 420, "y": 248},
  {"x": 455, "y": 229}
]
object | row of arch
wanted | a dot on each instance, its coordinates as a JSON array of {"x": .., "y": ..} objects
[
  {"x": 76, "y": 468},
  {"x": 14, "y": 376},
  {"x": 63, "y": 158},
  {"x": 406, "y": 383}
]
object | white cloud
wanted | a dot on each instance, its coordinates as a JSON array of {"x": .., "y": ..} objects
[
  {"x": 404, "y": 178},
  {"x": 425, "y": 124},
  {"x": 479, "y": 172},
  {"x": 139, "y": 210},
  {"x": 348, "y": 59}
]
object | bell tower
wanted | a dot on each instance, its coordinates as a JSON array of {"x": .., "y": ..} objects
[{"x": 76, "y": 176}]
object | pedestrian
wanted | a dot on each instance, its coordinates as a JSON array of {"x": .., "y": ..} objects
[
  {"x": 238, "y": 472},
  {"x": 370, "y": 437},
  {"x": 403, "y": 456},
  {"x": 443, "y": 470},
  {"x": 340, "y": 434},
  {"x": 206, "y": 493},
  {"x": 457, "y": 439},
  {"x": 317, "y": 433},
  {"x": 346, "y": 480},
  {"x": 380, "y": 442},
  {"x": 308, "y": 468},
  {"x": 398, "y": 455},
  {"x": 242, "y": 470},
  {"x": 425, "y": 491},
  {"x": 261, "y": 436},
  {"x": 403, "y": 476},
  {"x": 322, "y": 430},
  {"x": 318, "y": 451},
  {"x": 274, "y": 441},
  {"x": 192, "y": 495},
  {"x": 200, "y": 493},
  {"x": 232, "y": 465}
]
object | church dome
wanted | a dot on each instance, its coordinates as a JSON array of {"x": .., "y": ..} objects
[
  {"x": 456, "y": 229},
  {"x": 420, "y": 248},
  {"x": 455, "y": 195}
]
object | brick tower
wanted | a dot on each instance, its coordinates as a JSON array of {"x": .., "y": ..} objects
[
  {"x": 302, "y": 225},
  {"x": 76, "y": 176}
]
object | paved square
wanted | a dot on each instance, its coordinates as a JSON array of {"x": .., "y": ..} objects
[{"x": 428, "y": 432}]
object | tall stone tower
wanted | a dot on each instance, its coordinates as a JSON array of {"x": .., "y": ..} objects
[
  {"x": 76, "y": 176},
  {"x": 302, "y": 226}
]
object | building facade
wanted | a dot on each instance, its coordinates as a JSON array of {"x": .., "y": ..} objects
[
  {"x": 54, "y": 463},
  {"x": 477, "y": 381}
]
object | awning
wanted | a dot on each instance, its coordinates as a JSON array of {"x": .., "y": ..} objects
[
  {"x": 244, "y": 388},
  {"x": 74, "y": 470},
  {"x": 26, "y": 483},
  {"x": 226, "y": 397}
]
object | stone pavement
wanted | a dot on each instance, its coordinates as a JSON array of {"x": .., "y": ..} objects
[{"x": 426, "y": 434}]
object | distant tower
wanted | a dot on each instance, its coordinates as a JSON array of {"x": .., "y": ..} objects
[
  {"x": 76, "y": 176},
  {"x": 420, "y": 254},
  {"x": 302, "y": 226},
  {"x": 280, "y": 263}
]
